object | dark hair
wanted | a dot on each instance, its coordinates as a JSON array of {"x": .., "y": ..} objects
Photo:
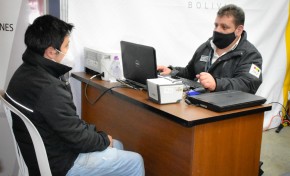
[
  {"x": 235, "y": 11},
  {"x": 46, "y": 31}
]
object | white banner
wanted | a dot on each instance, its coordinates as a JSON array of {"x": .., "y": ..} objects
[
  {"x": 175, "y": 28},
  {"x": 8, "y": 25},
  {"x": 8, "y": 28},
  {"x": 14, "y": 19}
]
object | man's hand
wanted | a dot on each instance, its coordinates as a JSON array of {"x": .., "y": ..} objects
[
  {"x": 111, "y": 141},
  {"x": 207, "y": 81},
  {"x": 164, "y": 70}
]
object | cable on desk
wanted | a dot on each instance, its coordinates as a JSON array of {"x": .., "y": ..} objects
[
  {"x": 89, "y": 83},
  {"x": 103, "y": 93}
]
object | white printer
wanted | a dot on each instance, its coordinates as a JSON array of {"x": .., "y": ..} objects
[
  {"x": 97, "y": 62},
  {"x": 164, "y": 90}
]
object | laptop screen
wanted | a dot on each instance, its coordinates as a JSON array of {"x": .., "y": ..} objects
[{"x": 139, "y": 63}]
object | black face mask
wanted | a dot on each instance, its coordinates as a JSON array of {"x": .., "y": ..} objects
[{"x": 223, "y": 40}]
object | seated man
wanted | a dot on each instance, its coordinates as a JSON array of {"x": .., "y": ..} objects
[
  {"x": 38, "y": 90},
  {"x": 227, "y": 60}
]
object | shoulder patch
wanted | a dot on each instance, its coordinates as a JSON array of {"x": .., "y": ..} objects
[{"x": 255, "y": 70}]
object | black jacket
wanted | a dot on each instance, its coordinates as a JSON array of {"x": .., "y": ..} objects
[
  {"x": 38, "y": 85},
  {"x": 231, "y": 71}
]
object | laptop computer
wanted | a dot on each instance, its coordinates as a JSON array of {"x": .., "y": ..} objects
[
  {"x": 139, "y": 63},
  {"x": 226, "y": 100}
]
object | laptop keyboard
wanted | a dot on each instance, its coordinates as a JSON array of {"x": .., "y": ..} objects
[{"x": 189, "y": 83}]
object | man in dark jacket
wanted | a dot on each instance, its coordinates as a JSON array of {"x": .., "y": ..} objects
[
  {"x": 227, "y": 61},
  {"x": 38, "y": 90}
]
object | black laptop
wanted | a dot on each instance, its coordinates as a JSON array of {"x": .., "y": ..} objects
[
  {"x": 226, "y": 100},
  {"x": 139, "y": 63}
]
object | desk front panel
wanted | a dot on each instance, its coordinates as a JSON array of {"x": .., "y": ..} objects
[
  {"x": 165, "y": 146},
  {"x": 226, "y": 147}
]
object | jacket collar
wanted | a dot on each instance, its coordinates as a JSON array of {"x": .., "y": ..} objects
[{"x": 54, "y": 68}]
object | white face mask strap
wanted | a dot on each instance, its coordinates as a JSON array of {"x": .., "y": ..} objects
[{"x": 59, "y": 51}]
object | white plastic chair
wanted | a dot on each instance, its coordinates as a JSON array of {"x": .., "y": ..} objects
[{"x": 40, "y": 150}]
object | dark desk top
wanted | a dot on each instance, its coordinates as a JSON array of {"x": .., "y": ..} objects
[{"x": 186, "y": 115}]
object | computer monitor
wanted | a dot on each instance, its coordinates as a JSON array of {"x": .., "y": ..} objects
[{"x": 139, "y": 63}]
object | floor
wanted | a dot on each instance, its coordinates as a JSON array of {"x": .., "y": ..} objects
[{"x": 275, "y": 152}]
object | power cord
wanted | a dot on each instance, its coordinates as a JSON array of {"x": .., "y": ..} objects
[
  {"x": 285, "y": 120},
  {"x": 104, "y": 92},
  {"x": 92, "y": 77}
]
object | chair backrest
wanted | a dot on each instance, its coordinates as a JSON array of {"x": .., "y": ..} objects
[
  {"x": 40, "y": 150},
  {"x": 21, "y": 168}
]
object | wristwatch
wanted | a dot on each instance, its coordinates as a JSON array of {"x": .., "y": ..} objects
[
  {"x": 170, "y": 67},
  {"x": 173, "y": 70}
]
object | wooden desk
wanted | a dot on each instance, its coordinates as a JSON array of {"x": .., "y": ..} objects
[{"x": 177, "y": 139}]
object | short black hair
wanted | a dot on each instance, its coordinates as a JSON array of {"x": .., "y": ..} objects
[
  {"x": 235, "y": 11},
  {"x": 46, "y": 31}
]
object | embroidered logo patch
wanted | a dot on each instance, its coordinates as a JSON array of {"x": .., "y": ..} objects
[
  {"x": 255, "y": 70},
  {"x": 204, "y": 58}
]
